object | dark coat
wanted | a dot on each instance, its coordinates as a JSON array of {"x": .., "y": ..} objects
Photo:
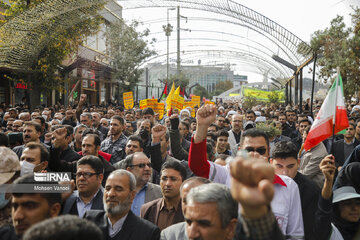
[
  {"x": 96, "y": 205},
  {"x": 309, "y": 196},
  {"x": 133, "y": 228},
  {"x": 150, "y": 211},
  {"x": 58, "y": 165},
  {"x": 339, "y": 151},
  {"x": 69, "y": 155}
]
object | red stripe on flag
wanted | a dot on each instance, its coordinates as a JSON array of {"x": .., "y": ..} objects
[
  {"x": 341, "y": 121},
  {"x": 318, "y": 134}
]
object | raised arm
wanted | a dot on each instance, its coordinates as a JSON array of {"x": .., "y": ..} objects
[
  {"x": 79, "y": 108},
  {"x": 197, "y": 154},
  {"x": 176, "y": 149},
  {"x": 323, "y": 214},
  {"x": 157, "y": 132}
]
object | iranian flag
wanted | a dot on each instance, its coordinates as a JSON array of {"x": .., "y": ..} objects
[
  {"x": 332, "y": 111},
  {"x": 164, "y": 93}
]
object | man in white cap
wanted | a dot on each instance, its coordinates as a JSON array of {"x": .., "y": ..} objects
[{"x": 9, "y": 171}]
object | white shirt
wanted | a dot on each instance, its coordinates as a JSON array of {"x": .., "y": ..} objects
[
  {"x": 286, "y": 204},
  {"x": 115, "y": 229}
]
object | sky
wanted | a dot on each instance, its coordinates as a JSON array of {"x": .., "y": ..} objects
[{"x": 302, "y": 18}]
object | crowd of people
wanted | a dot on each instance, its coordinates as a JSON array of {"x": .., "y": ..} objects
[{"x": 217, "y": 171}]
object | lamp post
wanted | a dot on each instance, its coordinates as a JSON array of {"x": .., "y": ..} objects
[{"x": 167, "y": 29}]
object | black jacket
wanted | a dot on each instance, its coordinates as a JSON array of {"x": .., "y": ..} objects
[
  {"x": 69, "y": 155},
  {"x": 309, "y": 195},
  {"x": 133, "y": 228},
  {"x": 58, "y": 165}
]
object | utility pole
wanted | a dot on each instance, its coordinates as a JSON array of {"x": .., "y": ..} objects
[
  {"x": 178, "y": 42},
  {"x": 167, "y": 29}
]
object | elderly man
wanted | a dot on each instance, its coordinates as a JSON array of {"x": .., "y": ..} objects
[{"x": 118, "y": 221}]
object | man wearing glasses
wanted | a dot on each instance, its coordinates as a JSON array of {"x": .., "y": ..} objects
[
  {"x": 139, "y": 165},
  {"x": 286, "y": 202},
  {"x": 89, "y": 193}
]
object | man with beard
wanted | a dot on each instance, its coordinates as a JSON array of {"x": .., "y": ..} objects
[
  {"x": 118, "y": 221},
  {"x": 31, "y": 133},
  {"x": 115, "y": 144},
  {"x": 140, "y": 165},
  {"x": 89, "y": 194}
]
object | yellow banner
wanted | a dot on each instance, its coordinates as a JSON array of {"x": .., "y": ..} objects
[
  {"x": 209, "y": 102},
  {"x": 262, "y": 95},
  {"x": 177, "y": 102},
  {"x": 160, "y": 109},
  {"x": 196, "y": 100},
  {"x": 143, "y": 104},
  {"x": 128, "y": 100}
]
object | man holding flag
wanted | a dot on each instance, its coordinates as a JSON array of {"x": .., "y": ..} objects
[{"x": 331, "y": 119}]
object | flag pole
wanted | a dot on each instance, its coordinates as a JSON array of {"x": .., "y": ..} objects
[{"x": 334, "y": 119}]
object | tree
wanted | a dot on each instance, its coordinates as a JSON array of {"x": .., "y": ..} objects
[
  {"x": 339, "y": 47},
  {"x": 222, "y": 86},
  {"x": 180, "y": 80},
  {"x": 128, "y": 50},
  {"x": 201, "y": 91},
  {"x": 60, "y": 44}
]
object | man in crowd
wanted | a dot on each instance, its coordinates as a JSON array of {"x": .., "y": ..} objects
[
  {"x": 67, "y": 153},
  {"x": 76, "y": 143},
  {"x": 29, "y": 209},
  {"x": 18, "y": 125},
  {"x": 103, "y": 132},
  {"x": 250, "y": 116},
  {"x": 220, "y": 122},
  {"x": 286, "y": 203},
  {"x": 222, "y": 143},
  {"x": 89, "y": 193},
  {"x": 31, "y": 133},
  {"x": 139, "y": 164},
  {"x": 115, "y": 144},
  {"x": 235, "y": 132},
  {"x": 118, "y": 221},
  {"x": 34, "y": 158},
  {"x": 86, "y": 119},
  {"x": 343, "y": 147},
  {"x": 285, "y": 162},
  {"x": 167, "y": 210}
]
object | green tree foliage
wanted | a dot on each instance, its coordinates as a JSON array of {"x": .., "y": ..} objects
[
  {"x": 180, "y": 80},
  {"x": 201, "y": 91},
  {"x": 128, "y": 49},
  {"x": 249, "y": 102},
  {"x": 46, "y": 75},
  {"x": 340, "y": 47},
  {"x": 222, "y": 86}
]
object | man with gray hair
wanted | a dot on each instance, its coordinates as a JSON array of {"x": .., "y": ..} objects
[
  {"x": 86, "y": 119},
  {"x": 118, "y": 221},
  {"x": 139, "y": 165}
]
